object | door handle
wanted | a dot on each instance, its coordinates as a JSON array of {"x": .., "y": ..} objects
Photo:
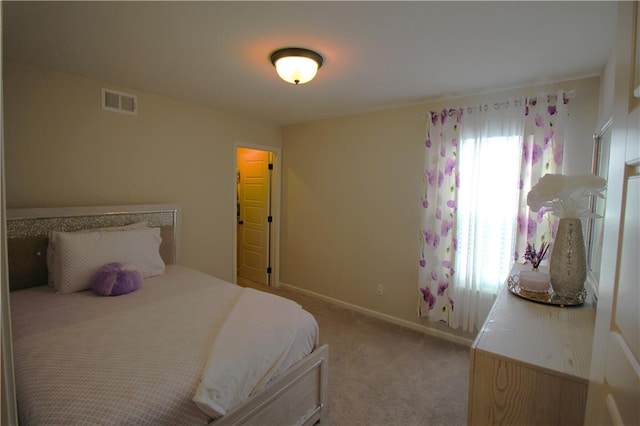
[{"x": 241, "y": 222}]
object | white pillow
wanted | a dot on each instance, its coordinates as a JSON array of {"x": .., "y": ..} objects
[
  {"x": 78, "y": 255},
  {"x": 51, "y": 249}
]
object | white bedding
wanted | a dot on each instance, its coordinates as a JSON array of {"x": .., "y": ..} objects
[
  {"x": 234, "y": 369},
  {"x": 133, "y": 359}
]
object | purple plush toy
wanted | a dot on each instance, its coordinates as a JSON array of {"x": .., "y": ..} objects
[{"x": 116, "y": 278}]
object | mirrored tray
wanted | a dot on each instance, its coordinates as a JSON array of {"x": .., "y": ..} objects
[{"x": 547, "y": 297}]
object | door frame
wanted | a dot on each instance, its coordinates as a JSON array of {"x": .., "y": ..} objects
[{"x": 274, "y": 235}]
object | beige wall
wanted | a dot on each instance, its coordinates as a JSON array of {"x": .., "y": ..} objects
[
  {"x": 62, "y": 149},
  {"x": 350, "y": 211},
  {"x": 351, "y": 191}
]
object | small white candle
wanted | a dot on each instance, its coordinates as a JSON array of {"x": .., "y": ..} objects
[{"x": 534, "y": 281}]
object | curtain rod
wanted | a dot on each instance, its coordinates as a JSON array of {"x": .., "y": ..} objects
[
  {"x": 518, "y": 102},
  {"x": 506, "y": 104}
]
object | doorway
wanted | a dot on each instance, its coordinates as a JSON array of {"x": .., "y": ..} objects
[{"x": 256, "y": 215}]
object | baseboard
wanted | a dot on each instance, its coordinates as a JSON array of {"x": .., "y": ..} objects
[{"x": 375, "y": 314}]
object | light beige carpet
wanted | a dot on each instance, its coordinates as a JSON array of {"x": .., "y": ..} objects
[{"x": 383, "y": 374}]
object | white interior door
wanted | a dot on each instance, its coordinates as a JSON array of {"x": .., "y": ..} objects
[
  {"x": 253, "y": 225},
  {"x": 614, "y": 388}
]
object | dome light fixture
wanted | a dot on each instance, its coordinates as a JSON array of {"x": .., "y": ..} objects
[{"x": 296, "y": 65}]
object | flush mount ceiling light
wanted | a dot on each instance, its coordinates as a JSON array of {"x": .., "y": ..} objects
[{"x": 296, "y": 65}]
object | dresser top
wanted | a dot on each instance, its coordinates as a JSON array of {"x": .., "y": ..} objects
[{"x": 554, "y": 338}]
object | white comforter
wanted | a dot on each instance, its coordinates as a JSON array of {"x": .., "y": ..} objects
[
  {"x": 235, "y": 368},
  {"x": 133, "y": 359}
]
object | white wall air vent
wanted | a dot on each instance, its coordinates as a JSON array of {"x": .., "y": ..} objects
[{"x": 119, "y": 102}]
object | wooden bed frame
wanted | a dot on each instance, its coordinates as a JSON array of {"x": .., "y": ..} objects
[{"x": 299, "y": 396}]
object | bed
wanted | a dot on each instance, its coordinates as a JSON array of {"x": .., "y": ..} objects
[{"x": 181, "y": 348}]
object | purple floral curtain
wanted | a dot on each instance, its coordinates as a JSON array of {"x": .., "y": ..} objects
[
  {"x": 537, "y": 127},
  {"x": 542, "y": 153},
  {"x": 437, "y": 238}
]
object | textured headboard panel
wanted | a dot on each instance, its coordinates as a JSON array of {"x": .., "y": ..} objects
[{"x": 27, "y": 234}]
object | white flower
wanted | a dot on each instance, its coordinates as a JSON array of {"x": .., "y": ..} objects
[{"x": 565, "y": 195}]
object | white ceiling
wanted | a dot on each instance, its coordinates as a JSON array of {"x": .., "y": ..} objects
[{"x": 377, "y": 54}]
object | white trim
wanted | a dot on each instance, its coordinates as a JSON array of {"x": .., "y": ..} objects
[
  {"x": 612, "y": 409},
  {"x": 375, "y": 314}
]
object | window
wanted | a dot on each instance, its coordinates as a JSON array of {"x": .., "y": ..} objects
[{"x": 487, "y": 210}]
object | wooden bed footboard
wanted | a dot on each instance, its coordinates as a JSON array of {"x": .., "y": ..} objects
[{"x": 299, "y": 397}]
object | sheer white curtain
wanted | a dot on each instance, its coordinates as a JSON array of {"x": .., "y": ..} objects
[
  {"x": 480, "y": 163},
  {"x": 489, "y": 168}
]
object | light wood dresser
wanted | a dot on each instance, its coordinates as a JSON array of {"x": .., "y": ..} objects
[{"x": 530, "y": 363}]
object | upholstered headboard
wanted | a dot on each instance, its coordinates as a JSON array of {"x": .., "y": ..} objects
[{"x": 27, "y": 234}]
